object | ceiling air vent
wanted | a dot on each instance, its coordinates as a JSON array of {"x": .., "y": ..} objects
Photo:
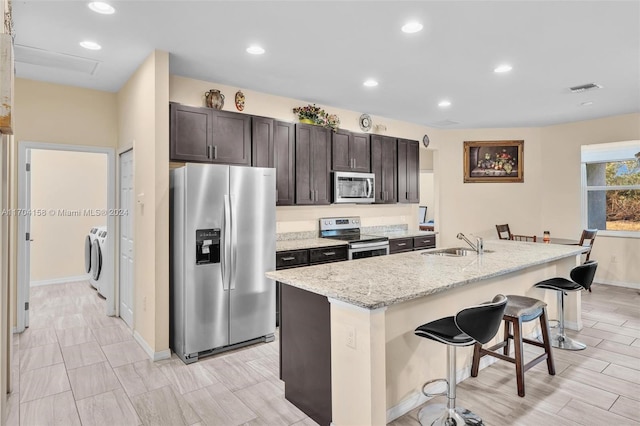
[
  {"x": 584, "y": 87},
  {"x": 47, "y": 58}
]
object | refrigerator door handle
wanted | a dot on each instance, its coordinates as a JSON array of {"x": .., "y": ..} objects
[
  {"x": 226, "y": 265},
  {"x": 234, "y": 245}
]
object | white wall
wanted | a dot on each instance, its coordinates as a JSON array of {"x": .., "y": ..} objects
[
  {"x": 72, "y": 181},
  {"x": 427, "y": 192}
]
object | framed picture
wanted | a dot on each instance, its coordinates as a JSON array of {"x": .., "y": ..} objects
[{"x": 493, "y": 161}]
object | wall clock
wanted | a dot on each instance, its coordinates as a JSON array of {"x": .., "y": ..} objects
[
  {"x": 365, "y": 122},
  {"x": 425, "y": 141}
]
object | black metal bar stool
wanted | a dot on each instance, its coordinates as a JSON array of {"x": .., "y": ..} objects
[
  {"x": 520, "y": 309},
  {"x": 581, "y": 279},
  {"x": 470, "y": 325}
]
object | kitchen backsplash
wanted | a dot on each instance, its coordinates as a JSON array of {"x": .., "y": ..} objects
[{"x": 289, "y": 236}]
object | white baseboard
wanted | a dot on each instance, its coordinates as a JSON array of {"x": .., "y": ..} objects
[
  {"x": 416, "y": 399},
  {"x": 154, "y": 356},
  {"x": 619, "y": 284},
  {"x": 62, "y": 280}
]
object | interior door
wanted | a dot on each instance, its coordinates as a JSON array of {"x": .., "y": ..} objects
[
  {"x": 252, "y": 302},
  {"x": 126, "y": 286}
]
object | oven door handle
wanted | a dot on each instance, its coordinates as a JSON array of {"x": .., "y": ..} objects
[{"x": 377, "y": 245}]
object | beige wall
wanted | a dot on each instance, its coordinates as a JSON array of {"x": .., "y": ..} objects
[
  {"x": 143, "y": 120},
  {"x": 64, "y": 180},
  {"x": 302, "y": 218},
  {"x": 475, "y": 208},
  {"x": 617, "y": 257},
  {"x": 53, "y": 113}
]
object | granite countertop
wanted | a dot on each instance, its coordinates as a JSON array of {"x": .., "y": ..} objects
[
  {"x": 406, "y": 233},
  {"x": 387, "y": 280},
  {"x": 307, "y": 243}
]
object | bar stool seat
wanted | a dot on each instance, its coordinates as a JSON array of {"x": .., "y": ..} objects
[{"x": 520, "y": 309}]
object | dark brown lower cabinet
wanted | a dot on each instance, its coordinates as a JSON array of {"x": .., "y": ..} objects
[{"x": 305, "y": 352}]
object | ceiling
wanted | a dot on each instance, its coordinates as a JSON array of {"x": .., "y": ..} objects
[{"x": 321, "y": 51}]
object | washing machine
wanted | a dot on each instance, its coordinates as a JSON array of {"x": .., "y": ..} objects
[
  {"x": 88, "y": 246},
  {"x": 98, "y": 247}
]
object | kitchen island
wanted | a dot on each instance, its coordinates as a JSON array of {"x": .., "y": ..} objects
[{"x": 355, "y": 320}]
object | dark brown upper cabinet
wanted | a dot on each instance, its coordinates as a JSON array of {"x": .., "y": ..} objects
[
  {"x": 189, "y": 133},
  {"x": 384, "y": 166},
  {"x": 313, "y": 164},
  {"x": 262, "y": 149},
  {"x": 231, "y": 140},
  {"x": 350, "y": 152},
  {"x": 284, "y": 137},
  {"x": 408, "y": 171},
  {"x": 273, "y": 145},
  {"x": 206, "y": 135}
]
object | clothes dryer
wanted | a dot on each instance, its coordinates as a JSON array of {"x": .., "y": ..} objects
[{"x": 88, "y": 247}]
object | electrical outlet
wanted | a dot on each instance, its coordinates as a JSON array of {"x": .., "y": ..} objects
[{"x": 351, "y": 336}]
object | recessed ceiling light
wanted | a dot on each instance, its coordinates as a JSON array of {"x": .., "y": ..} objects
[
  {"x": 412, "y": 27},
  {"x": 91, "y": 45},
  {"x": 255, "y": 50},
  {"x": 586, "y": 103},
  {"x": 370, "y": 83},
  {"x": 503, "y": 68},
  {"x": 101, "y": 7},
  {"x": 444, "y": 104}
]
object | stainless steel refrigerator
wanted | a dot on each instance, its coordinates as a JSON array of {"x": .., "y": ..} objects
[{"x": 222, "y": 241}]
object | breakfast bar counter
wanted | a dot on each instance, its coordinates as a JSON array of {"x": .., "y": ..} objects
[{"x": 347, "y": 327}]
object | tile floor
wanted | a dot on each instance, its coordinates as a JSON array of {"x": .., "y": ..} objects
[{"x": 76, "y": 366}]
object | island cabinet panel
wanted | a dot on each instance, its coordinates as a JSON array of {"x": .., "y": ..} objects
[
  {"x": 384, "y": 166},
  {"x": 350, "y": 151},
  {"x": 231, "y": 138},
  {"x": 305, "y": 352},
  {"x": 262, "y": 143},
  {"x": 284, "y": 138},
  {"x": 399, "y": 245},
  {"x": 206, "y": 135},
  {"x": 408, "y": 171},
  {"x": 313, "y": 164},
  {"x": 190, "y": 133}
]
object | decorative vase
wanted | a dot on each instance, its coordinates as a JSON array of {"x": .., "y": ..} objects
[
  {"x": 214, "y": 99},
  {"x": 306, "y": 121}
]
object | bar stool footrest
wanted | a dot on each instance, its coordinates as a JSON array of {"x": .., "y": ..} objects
[{"x": 431, "y": 395}]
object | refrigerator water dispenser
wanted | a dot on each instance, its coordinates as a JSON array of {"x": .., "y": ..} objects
[{"x": 207, "y": 246}]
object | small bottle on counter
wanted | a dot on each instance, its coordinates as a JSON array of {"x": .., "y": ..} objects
[{"x": 546, "y": 237}]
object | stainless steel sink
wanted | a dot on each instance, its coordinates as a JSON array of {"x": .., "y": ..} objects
[{"x": 453, "y": 252}]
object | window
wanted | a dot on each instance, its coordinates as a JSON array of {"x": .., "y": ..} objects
[{"x": 611, "y": 187}]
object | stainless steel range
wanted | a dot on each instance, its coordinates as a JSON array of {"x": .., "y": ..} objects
[{"x": 348, "y": 229}]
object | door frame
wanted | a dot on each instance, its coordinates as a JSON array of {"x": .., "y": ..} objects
[
  {"x": 23, "y": 281},
  {"x": 131, "y": 217}
]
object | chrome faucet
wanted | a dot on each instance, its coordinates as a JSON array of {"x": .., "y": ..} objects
[{"x": 478, "y": 247}]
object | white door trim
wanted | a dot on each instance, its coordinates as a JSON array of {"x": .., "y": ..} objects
[
  {"x": 22, "y": 274},
  {"x": 129, "y": 217}
]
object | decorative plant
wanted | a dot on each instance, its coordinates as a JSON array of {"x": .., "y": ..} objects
[{"x": 318, "y": 116}]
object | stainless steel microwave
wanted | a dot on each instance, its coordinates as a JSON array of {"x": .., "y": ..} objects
[{"x": 353, "y": 187}]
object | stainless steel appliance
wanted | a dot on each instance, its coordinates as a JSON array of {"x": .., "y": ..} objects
[
  {"x": 348, "y": 229},
  {"x": 222, "y": 241},
  {"x": 353, "y": 187}
]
